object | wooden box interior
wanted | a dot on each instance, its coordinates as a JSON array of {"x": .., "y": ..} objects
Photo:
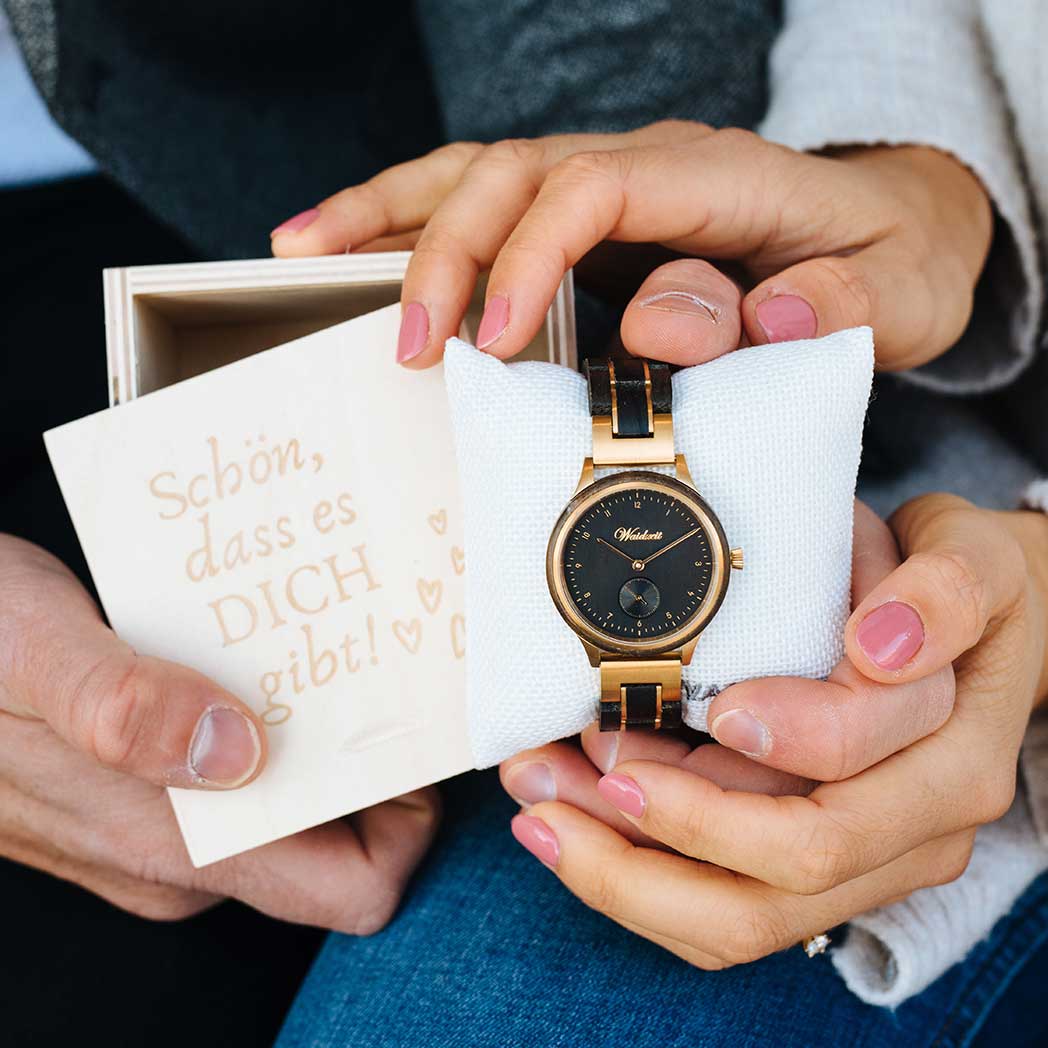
[{"x": 165, "y": 324}]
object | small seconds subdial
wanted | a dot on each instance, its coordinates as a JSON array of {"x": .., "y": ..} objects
[
  {"x": 638, "y": 564},
  {"x": 639, "y": 598}
]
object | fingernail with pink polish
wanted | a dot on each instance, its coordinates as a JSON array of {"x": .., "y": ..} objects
[
  {"x": 787, "y": 317},
  {"x": 225, "y": 748},
  {"x": 537, "y": 837},
  {"x": 494, "y": 322},
  {"x": 531, "y": 783},
  {"x": 891, "y": 635},
  {"x": 414, "y": 331},
  {"x": 740, "y": 730},
  {"x": 298, "y": 222},
  {"x": 622, "y": 792}
]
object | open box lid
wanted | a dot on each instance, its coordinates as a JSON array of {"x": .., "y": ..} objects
[{"x": 168, "y": 323}]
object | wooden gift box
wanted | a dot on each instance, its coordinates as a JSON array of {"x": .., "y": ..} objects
[
  {"x": 170, "y": 578},
  {"x": 291, "y": 525},
  {"x": 168, "y": 323}
]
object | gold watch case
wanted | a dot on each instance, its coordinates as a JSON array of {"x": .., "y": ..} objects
[{"x": 684, "y": 637}]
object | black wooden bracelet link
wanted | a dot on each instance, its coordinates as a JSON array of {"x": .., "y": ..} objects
[
  {"x": 620, "y": 389},
  {"x": 640, "y": 711}
]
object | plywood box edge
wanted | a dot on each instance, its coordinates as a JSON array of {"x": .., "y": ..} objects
[{"x": 128, "y": 321}]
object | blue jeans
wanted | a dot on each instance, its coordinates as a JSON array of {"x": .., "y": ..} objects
[{"x": 490, "y": 950}]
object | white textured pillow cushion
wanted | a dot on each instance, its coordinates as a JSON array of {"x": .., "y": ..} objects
[{"x": 772, "y": 436}]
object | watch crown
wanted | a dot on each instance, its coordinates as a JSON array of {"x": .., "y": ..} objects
[{"x": 736, "y": 558}]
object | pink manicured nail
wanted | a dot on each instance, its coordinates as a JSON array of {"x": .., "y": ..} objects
[
  {"x": 787, "y": 317},
  {"x": 740, "y": 730},
  {"x": 537, "y": 837},
  {"x": 298, "y": 222},
  {"x": 225, "y": 748},
  {"x": 414, "y": 330},
  {"x": 494, "y": 321},
  {"x": 623, "y": 793},
  {"x": 531, "y": 783},
  {"x": 891, "y": 635}
]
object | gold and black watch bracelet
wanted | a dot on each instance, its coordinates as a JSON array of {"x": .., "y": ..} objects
[{"x": 631, "y": 404}]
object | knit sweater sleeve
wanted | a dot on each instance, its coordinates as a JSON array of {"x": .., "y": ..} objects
[{"x": 920, "y": 72}]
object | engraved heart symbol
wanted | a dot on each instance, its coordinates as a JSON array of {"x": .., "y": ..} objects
[
  {"x": 409, "y": 634},
  {"x": 458, "y": 560},
  {"x": 430, "y": 593},
  {"x": 439, "y": 521},
  {"x": 458, "y": 635}
]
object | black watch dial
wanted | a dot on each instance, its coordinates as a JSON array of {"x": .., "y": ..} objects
[{"x": 638, "y": 563}]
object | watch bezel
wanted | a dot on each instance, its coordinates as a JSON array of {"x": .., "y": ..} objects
[{"x": 600, "y": 489}]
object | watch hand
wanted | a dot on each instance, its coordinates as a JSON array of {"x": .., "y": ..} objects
[
  {"x": 638, "y": 598},
  {"x": 615, "y": 549},
  {"x": 675, "y": 542}
]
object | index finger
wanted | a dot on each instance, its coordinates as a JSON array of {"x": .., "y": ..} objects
[
  {"x": 841, "y": 831},
  {"x": 397, "y": 200},
  {"x": 347, "y": 875},
  {"x": 465, "y": 234},
  {"x": 711, "y": 196},
  {"x": 833, "y": 729},
  {"x": 705, "y": 914}
]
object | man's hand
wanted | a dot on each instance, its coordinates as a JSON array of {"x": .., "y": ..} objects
[
  {"x": 890, "y": 237},
  {"x": 91, "y": 732}
]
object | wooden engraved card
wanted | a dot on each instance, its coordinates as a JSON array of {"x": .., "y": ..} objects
[{"x": 287, "y": 523}]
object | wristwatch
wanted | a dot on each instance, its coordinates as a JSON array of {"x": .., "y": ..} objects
[{"x": 638, "y": 563}]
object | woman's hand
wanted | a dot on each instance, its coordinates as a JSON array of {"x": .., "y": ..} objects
[
  {"x": 909, "y": 775},
  {"x": 891, "y": 237},
  {"x": 91, "y": 732}
]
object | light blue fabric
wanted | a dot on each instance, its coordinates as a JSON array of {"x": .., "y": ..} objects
[{"x": 32, "y": 147}]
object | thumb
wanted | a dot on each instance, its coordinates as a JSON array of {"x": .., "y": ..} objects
[
  {"x": 147, "y": 717},
  {"x": 963, "y": 572},
  {"x": 879, "y": 286},
  {"x": 685, "y": 312}
]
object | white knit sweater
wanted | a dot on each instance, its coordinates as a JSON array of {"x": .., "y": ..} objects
[{"x": 969, "y": 77}]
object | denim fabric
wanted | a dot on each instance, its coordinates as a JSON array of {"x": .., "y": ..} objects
[{"x": 490, "y": 950}]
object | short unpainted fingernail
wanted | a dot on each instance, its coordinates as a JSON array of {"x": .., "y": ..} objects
[
  {"x": 740, "y": 730},
  {"x": 678, "y": 301},
  {"x": 225, "y": 748},
  {"x": 531, "y": 783}
]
